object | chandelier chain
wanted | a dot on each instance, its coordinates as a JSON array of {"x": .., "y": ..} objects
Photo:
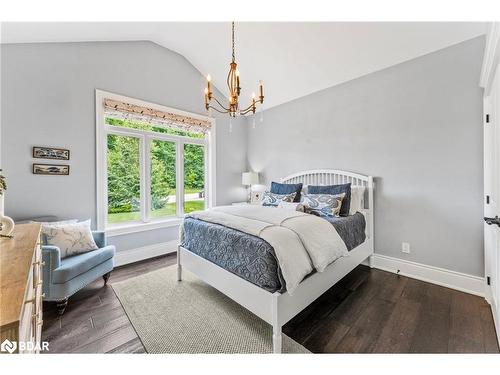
[{"x": 232, "y": 39}]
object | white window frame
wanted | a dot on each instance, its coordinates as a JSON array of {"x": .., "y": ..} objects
[{"x": 145, "y": 138}]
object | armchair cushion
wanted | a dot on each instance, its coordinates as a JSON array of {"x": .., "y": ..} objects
[{"x": 76, "y": 265}]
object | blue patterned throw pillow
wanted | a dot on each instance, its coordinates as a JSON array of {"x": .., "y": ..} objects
[
  {"x": 334, "y": 189},
  {"x": 322, "y": 204},
  {"x": 271, "y": 199},
  {"x": 278, "y": 188}
]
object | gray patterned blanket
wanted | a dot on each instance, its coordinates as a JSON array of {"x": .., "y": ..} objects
[{"x": 251, "y": 257}]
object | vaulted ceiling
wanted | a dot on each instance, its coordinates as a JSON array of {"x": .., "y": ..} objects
[{"x": 293, "y": 59}]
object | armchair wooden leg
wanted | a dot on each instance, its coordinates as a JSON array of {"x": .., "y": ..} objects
[
  {"x": 61, "y": 306},
  {"x": 106, "y": 277}
]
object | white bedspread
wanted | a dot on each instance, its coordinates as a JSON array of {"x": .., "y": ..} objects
[{"x": 301, "y": 242}]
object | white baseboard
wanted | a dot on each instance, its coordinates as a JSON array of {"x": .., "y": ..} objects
[
  {"x": 435, "y": 275},
  {"x": 145, "y": 252}
]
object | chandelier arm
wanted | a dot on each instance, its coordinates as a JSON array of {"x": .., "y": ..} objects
[
  {"x": 219, "y": 103},
  {"x": 248, "y": 108},
  {"x": 217, "y": 110}
]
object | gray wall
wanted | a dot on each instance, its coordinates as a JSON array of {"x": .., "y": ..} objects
[
  {"x": 48, "y": 100},
  {"x": 417, "y": 128}
]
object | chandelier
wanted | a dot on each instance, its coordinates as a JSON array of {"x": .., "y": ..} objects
[{"x": 233, "y": 83}]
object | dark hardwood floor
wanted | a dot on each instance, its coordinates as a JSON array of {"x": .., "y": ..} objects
[{"x": 369, "y": 311}]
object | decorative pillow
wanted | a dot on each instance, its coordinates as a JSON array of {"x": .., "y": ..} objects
[
  {"x": 322, "y": 204},
  {"x": 333, "y": 190},
  {"x": 71, "y": 238},
  {"x": 271, "y": 199},
  {"x": 278, "y": 188},
  {"x": 52, "y": 223},
  {"x": 291, "y": 206},
  {"x": 357, "y": 199}
]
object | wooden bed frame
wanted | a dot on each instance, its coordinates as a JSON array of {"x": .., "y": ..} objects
[{"x": 278, "y": 308}]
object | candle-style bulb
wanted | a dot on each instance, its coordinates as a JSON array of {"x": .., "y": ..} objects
[
  {"x": 253, "y": 95},
  {"x": 206, "y": 91},
  {"x": 209, "y": 78}
]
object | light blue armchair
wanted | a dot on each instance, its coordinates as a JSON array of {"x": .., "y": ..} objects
[{"x": 64, "y": 277}]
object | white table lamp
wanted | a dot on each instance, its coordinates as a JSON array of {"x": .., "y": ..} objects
[{"x": 248, "y": 179}]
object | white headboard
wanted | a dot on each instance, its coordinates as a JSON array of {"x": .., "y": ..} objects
[
  {"x": 335, "y": 177},
  {"x": 327, "y": 177}
]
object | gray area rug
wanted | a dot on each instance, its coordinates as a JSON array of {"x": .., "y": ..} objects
[{"x": 192, "y": 317}]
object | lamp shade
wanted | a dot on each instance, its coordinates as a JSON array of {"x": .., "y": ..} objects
[{"x": 249, "y": 178}]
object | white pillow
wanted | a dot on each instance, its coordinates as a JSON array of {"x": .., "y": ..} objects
[
  {"x": 70, "y": 238},
  {"x": 53, "y": 223},
  {"x": 357, "y": 199},
  {"x": 291, "y": 206}
]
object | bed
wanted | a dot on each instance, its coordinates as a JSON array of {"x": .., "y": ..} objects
[{"x": 245, "y": 268}]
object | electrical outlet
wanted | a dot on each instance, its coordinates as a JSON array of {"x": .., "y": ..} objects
[{"x": 405, "y": 248}]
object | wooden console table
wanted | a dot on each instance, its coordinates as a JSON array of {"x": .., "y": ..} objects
[{"x": 21, "y": 289}]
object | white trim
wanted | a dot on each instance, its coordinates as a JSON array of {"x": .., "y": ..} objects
[
  {"x": 101, "y": 162},
  {"x": 435, "y": 275},
  {"x": 145, "y": 138},
  {"x": 491, "y": 57},
  {"x": 141, "y": 253},
  {"x": 136, "y": 227}
]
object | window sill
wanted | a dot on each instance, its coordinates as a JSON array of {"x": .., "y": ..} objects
[{"x": 128, "y": 228}]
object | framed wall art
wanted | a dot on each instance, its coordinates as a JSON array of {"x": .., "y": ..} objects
[
  {"x": 50, "y": 153},
  {"x": 51, "y": 169}
]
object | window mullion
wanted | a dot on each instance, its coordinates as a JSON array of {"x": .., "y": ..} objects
[
  {"x": 147, "y": 179},
  {"x": 179, "y": 178},
  {"x": 142, "y": 176}
]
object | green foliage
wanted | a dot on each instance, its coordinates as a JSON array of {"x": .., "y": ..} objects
[
  {"x": 124, "y": 170},
  {"x": 162, "y": 172},
  {"x": 194, "y": 166}
]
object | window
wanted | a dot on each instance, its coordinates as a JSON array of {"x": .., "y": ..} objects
[{"x": 150, "y": 172}]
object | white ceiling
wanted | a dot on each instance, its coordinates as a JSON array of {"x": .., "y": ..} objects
[{"x": 293, "y": 59}]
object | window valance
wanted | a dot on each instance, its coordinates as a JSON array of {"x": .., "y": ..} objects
[{"x": 132, "y": 112}]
